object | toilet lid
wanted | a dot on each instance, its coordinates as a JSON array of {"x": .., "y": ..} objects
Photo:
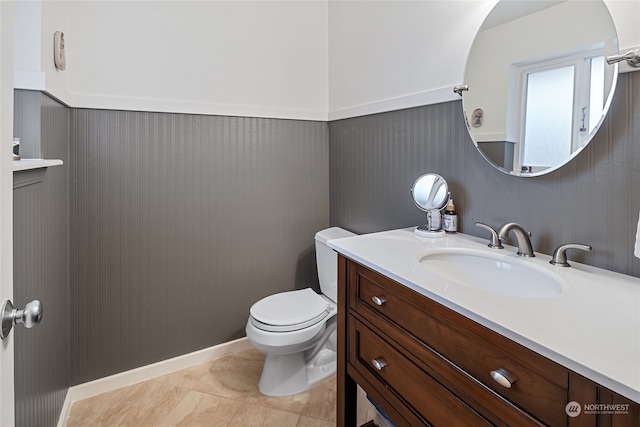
[{"x": 290, "y": 308}]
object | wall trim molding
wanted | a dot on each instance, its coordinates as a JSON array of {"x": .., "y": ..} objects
[
  {"x": 36, "y": 81},
  {"x": 144, "y": 373},
  {"x": 418, "y": 99},
  {"x": 105, "y": 102}
]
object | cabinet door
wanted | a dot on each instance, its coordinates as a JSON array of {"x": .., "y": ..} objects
[
  {"x": 616, "y": 411},
  {"x": 598, "y": 406}
]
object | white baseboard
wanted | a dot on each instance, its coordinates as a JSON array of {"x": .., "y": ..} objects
[{"x": 144, "y": 373}]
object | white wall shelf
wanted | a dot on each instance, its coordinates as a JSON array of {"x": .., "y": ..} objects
[
  {"x": 31, "y": 171},
  {"x": 26, "y": 164}
]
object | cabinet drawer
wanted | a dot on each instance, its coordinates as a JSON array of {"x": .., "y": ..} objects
[
  {"x": 375, "y": 358},
  {"x": 540, "y": 386}
]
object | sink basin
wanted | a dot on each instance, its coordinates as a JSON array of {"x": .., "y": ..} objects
[{"x": 493, "y": 273}]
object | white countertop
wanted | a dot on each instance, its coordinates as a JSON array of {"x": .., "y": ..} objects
[{"x": 592, "y": 328}]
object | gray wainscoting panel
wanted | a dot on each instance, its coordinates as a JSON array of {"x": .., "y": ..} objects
[
  {"x": 41, "y": 267},
  {"x": 180, "y": 223},
  {"x": 595, "y": 199}
]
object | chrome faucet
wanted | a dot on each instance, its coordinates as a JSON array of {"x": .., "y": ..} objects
[
  {"x": 559, "y": 258},
  {"x": 522, "y": 237},
  {"x": 494, "y": 243}
]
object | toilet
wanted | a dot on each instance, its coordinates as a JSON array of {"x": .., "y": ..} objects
[{"x": 296, "y": 330}]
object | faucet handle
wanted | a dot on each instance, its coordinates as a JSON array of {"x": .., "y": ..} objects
[
  {"x": 559, "y": 258},
  {"x": 495, "y": 242}
]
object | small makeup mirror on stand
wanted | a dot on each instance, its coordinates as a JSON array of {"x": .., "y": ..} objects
[{"x": 430, "y": 194}]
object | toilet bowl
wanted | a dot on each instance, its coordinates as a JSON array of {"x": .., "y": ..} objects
[{"x": 296, "y": 330}]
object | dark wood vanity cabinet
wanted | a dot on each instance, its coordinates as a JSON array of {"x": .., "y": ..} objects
[{"x": 425, "y": 364}]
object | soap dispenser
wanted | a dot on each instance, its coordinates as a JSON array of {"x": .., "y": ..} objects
[{"x": 450, "y": 218}]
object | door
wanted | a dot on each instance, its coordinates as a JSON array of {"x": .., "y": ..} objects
[{"x": 7, "y": 410}]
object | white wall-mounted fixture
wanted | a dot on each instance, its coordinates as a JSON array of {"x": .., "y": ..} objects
[
  {"x": 31, "y": 171},
  {"x": 59, "y": 57}
]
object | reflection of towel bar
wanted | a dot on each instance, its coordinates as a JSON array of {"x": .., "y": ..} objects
[
  {"x": 460, "y": 89},
  {"x": 632, "y": 57}
]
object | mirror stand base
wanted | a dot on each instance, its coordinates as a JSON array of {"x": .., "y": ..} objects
[{"x": 423, "y": 231}]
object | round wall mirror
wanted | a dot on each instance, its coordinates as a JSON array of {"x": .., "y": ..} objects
[{"x": 538, "y": 82}]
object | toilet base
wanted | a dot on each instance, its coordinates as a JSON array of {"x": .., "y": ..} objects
[
  {"x": 321, "y": 367},
  {"x": 287, "y": 374},
  {"x": 283, "y": 374}
]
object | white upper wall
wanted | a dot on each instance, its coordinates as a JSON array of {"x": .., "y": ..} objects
[
  {"x": 247, "y": 58},
  {"x": 300, "y": 59},
  {"x": 27, "y": 52},
  {"x": 386, "y": 55}
]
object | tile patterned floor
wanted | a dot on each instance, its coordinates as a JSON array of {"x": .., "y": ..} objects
[{"x": 220, "y": 393}]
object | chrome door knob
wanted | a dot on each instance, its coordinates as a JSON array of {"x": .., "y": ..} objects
[{"x": 30, "y": 316}]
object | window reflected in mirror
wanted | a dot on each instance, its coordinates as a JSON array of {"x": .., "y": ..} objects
[
  {"x": 563, "y": 103},
  {"x": 548, "y": 117}
]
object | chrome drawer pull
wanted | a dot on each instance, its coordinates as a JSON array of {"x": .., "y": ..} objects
[
  {"x": 503, "y": 378},
  {"x": 379, "y": 363},
  {"x": 378, "y": 300}
]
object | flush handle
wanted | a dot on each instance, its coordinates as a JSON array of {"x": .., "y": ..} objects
[
  {"x": 29, "y": 317},
  {"x": 503, "y": 378},
  {"x": 379, "y": 363},
  {"x": 378, "y": 300}
]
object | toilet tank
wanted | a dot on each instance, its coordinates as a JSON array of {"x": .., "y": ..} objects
[{"x": 327, "y": 261}]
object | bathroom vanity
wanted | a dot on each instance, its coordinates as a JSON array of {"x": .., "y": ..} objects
[{"x": 430, "y": 349}]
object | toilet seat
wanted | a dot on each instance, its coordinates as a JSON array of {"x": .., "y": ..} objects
[{"x": 289, "y": 311}]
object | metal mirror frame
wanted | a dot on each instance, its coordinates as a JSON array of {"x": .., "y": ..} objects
[
  {"x": 430, "y": 194},
  {"x": 430, "y": 186}
]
